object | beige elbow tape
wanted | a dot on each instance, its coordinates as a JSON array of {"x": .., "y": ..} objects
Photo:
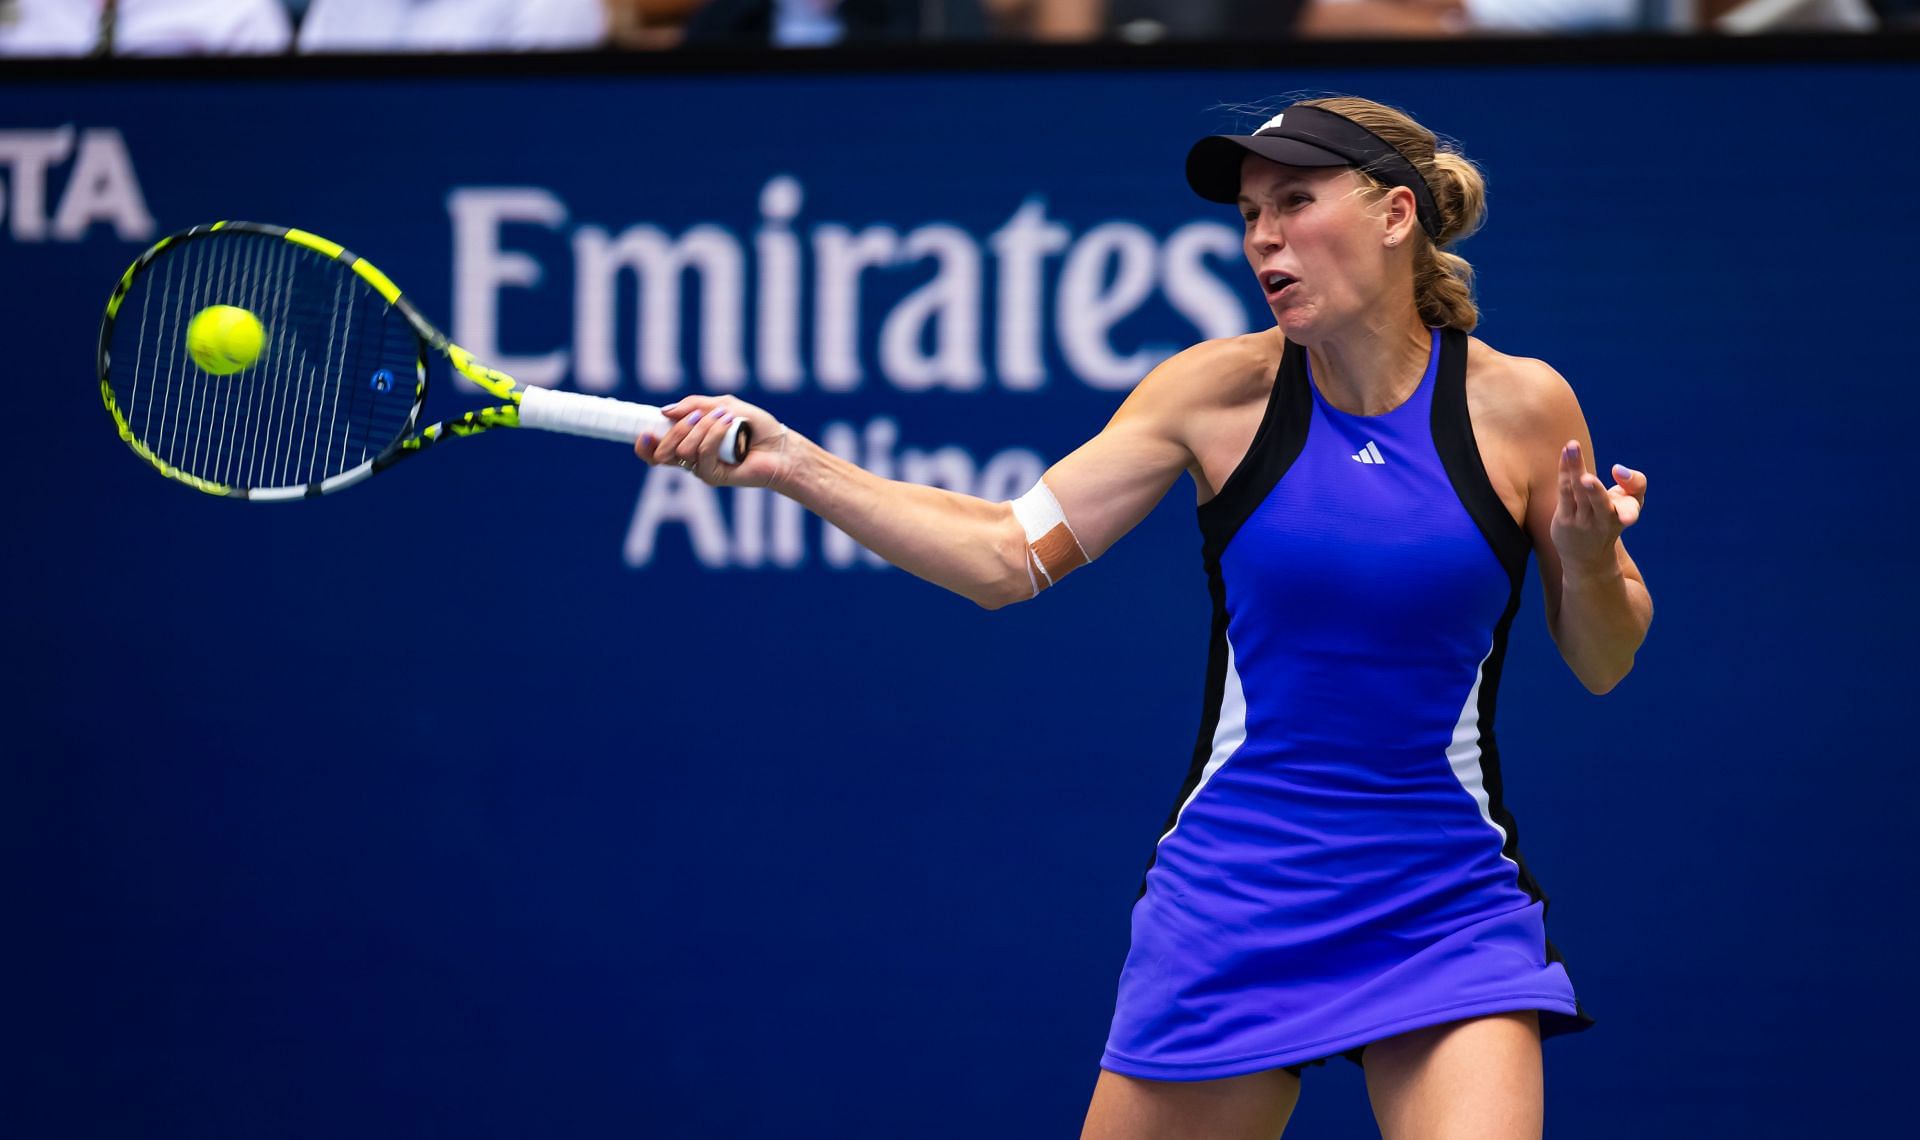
[{"x": 1052, "y": 549}]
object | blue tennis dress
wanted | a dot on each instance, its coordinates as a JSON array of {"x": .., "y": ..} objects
[{"x": 1339, "y": 867}]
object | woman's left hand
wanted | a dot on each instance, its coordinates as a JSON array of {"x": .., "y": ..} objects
[{"x": 1590, "y": 516}]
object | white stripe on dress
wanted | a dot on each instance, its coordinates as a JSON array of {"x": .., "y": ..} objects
[
  {"x": 1463, "y": 755},
  {"x": 1229, "y": 733}
]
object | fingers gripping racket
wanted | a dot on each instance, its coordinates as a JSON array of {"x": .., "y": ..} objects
[{"x": 267, "y": 363}]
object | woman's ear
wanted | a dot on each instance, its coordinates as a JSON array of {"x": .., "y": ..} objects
[{"x": 1402, "y": 215}]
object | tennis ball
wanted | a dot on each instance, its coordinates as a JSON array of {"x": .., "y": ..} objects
[{"x": 224, "y": 339}]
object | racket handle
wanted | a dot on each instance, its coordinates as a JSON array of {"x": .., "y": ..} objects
[{"x": 600, "y": 417}]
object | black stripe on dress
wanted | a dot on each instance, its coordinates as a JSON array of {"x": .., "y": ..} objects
[
  {"x": 1460, "y": 456},
  {"x": 1278, "y": 441}
]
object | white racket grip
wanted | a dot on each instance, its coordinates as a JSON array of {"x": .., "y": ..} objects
[{"x": 600, "y": 417}]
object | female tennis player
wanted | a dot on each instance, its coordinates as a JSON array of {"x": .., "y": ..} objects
[{"x": 1339, "y": 875}]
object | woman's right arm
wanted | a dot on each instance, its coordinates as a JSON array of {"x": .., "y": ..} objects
[{"x": 973, "y": 547}]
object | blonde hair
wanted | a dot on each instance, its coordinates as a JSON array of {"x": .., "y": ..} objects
[{"x": 1442, "y": 281}]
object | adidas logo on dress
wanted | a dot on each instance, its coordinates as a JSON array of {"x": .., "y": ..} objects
[{"x": 1369, "y": 454}]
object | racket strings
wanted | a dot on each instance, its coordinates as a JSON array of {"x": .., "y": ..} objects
[
  {"x": 333, "y": 388},
  {"x": 254, "y": 403}
]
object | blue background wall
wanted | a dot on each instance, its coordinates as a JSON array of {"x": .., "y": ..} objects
[{"x": 422, "y": 811}]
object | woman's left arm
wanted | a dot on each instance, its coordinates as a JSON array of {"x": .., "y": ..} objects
[{"x": 1598, "y": 607}]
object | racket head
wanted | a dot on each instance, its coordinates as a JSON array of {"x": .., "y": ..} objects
[{"x": 337, "y": 386}]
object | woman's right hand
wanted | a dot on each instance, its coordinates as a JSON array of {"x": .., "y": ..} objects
[{"x": 700, "y": 423}]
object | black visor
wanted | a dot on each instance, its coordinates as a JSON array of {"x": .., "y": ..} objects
[{"x": 1307, "y": 136}]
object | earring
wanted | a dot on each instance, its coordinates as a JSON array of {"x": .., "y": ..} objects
[{"x": 1393, "y": 241}]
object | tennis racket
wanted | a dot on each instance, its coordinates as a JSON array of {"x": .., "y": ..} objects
[{"x": 337, "y": 386}]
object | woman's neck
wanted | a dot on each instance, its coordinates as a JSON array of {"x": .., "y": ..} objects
[{"x": 1371, "y": 369}]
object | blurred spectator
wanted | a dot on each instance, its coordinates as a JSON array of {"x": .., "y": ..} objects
[
  {"x": 650, "y": 24},
  {"x": 1338, "y": 18},
  {"x": 1354, "y": 19},
  {"x": 1149, "y": 21},
  {"x": 452, "y": 25},
  {"x": 143, "y": 27},
  {"x": 1059, "y": 21},
  {"x": 1767, "y": 16},
  {"x": 1342, "y": 18},
  {"x": 817, "y": 23},
  {"x": 807, "y": 23}
]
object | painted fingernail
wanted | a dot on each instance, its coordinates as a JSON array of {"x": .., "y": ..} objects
[
  {"x": 671, "y": 408},
  {"x": 725, "y": 417},
  {"x": 694, "y": 418},
  {"x": 647, "y": 441}
]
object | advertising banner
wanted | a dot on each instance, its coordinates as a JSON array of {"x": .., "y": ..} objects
[{"x": 528, "y": 791}]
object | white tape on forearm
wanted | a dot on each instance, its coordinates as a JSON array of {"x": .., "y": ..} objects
[{"x": 1053, "y": 550}]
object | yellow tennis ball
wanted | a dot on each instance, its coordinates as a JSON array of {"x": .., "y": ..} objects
[{"x": 225, "y": 339}]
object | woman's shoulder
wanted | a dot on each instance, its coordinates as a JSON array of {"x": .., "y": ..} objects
[
  {"x": 1516, "y": 393},
  {"x": 1225, "y": 370}
]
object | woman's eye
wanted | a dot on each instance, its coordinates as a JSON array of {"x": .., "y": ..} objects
[{"x": 1298, "y": 200}]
